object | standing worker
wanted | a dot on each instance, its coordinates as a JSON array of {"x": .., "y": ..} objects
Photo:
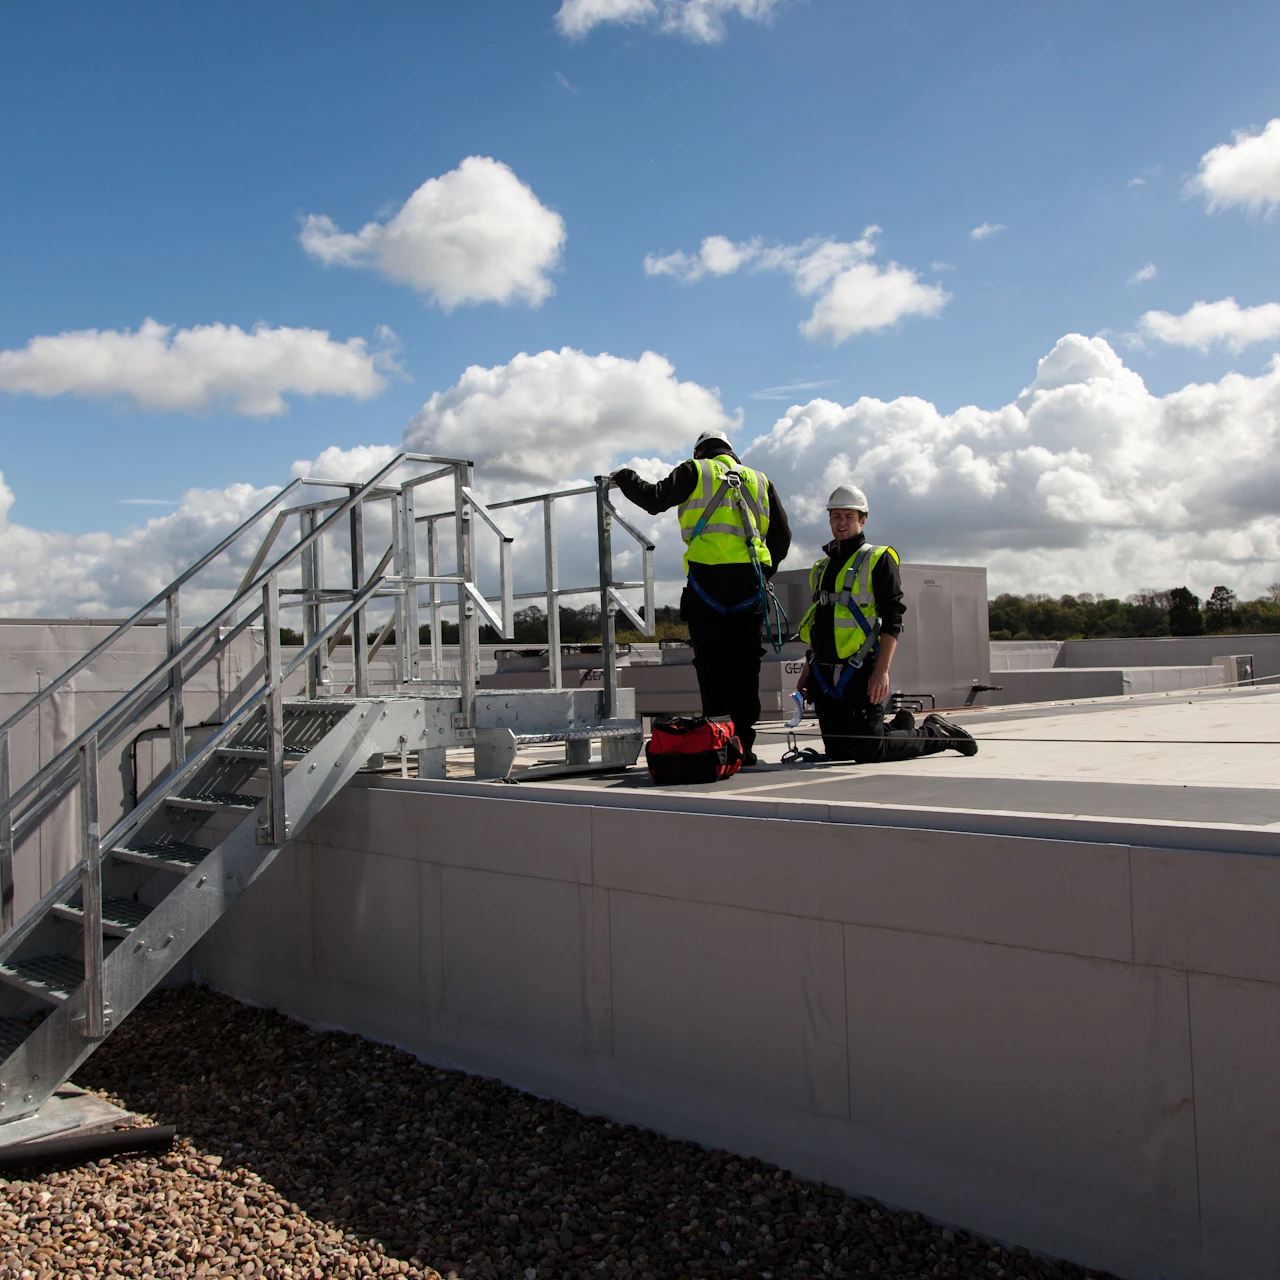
[
  {"x": 727, "y": 513},
  {"x": 852, "y": 628}
]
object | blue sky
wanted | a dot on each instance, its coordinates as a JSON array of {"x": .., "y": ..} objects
[{"x": 158, "y": 161}]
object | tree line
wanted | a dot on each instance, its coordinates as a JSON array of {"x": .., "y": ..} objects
[{"x": 1176, "y": 612}]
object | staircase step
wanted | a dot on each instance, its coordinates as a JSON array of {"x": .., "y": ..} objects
[
  {"x": 258, "y": 753},
  {"x": 175, "y": 856},
  {"x": 216, "y": 801},
  {"x": 51, "y": 978},
  {"x": 13, "y": 1031},
  {"x": 120, "y": 916}
]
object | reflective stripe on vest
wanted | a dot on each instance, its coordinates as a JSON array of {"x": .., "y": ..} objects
[
  {"x": 711, "y": 524},
  {"x": 855, "y": 621}
]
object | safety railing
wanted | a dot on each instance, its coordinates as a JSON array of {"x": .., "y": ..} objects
[
  {"x": 607, "y": 588},
  {"x": 94, "y": 845},
  {"x": 266, "y": 589},
  {"x": 26, "y": 805}
]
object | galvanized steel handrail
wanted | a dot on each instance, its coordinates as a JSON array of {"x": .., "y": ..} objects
[
  {"x": 205, "y": 560},
  {"x": 607, "y": 589},
  {"x": 192, "y": 643},
  {"x": 13, "y": 938},
  {"x": 60, "y": 783},
  {"x": 19, "y": 813},
  {"x": 396, "y": 575}
]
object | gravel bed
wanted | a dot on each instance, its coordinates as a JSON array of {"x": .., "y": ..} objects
[{"x": 321, "y": 1154}]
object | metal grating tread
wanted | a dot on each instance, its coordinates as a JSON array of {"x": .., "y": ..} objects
[
  {"x": 13, "y": 1032},
  {"x": 305, "y": 724},
  {"x": 118, "y": 914},
  {"x": 213, "y": 800},
  {"x": 51, "y": 977},
  {"x": 578, "y": 735},
  {"x": 177, "y": 855}
]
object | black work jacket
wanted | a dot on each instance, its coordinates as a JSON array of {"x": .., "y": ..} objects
[
  {"x": 727, "y": 583},
  {"x": 886, "y": 586}
]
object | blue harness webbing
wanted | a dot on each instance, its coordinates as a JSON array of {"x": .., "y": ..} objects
[
  {"x": 837, "y": 694},
  {"x": 861, "y": 618},
  {"x": 722, "y": 609}
]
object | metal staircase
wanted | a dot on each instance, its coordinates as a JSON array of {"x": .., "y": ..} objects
[{"x": 149, "y": 881}]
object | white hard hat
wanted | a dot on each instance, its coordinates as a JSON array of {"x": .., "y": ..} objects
[
  {"x": 847, "y": 497},
  {"x": 708, "y": 436}
]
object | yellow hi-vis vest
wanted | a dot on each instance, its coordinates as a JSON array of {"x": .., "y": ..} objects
[
  {"x": 857, "y": 625},
  {"x": 723, "y": 536}
]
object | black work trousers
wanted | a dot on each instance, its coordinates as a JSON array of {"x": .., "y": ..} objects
[
  {"x": 726, "y": 655},
  {"x": 853, "y": 726}
]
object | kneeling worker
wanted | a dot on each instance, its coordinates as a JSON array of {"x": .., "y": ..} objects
[
  {"x": 729, "y": 515},
  {"x": 852, "y": 629}
]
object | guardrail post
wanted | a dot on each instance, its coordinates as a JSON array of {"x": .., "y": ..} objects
[
  {"x": 410, "y": 646},
  {"x": 468, "y": 630},
  {"x": 6, "y": 838},
  {"x": 433, "y": 571},
  {"x": 94, "y": 1025},
  {"x": 554, "y": 666},
  {"x": 177, "y": 716},
  {"x": 310, "y": 614},
  {"x": 608, "y": 646},
  {"x": 398, "y": 572},
  {"x": 359, "y": 645},
  {"x": 273, "y": 827}
]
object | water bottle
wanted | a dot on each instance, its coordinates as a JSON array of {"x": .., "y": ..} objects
[{"x": 798, "y": 713}]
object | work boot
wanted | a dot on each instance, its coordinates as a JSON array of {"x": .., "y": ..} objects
[
  {"x": 748, "y": 759},
  {"x": 956, "y": 738},
  {"x": 903, "y": 722}
]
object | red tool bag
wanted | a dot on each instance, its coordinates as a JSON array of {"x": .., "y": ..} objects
[{"x": 693, "y": 749}]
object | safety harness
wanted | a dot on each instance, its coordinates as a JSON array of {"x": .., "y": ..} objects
[
  {"x": 848, "y": 599},
  {"x": 751, "y": 515},
  {"x": 870, "y": 628},
  {"x": 836, "y": 691}
]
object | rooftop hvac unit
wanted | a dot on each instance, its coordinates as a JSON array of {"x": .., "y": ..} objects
[{"x": 1237, "y": 668}]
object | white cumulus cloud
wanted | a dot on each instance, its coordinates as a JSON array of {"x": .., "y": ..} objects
[
  {"x": 1245, "y": 172},
  {"x": 986, "y": 230},
  {"x": 1143, "y": 274},
  {"x": 717, "y": 256},
  {"x": 1209, "y": 323},
  {"x": 852, "y": 294},
  {"x": 1085, "y": 482},
  {"x": 560, "y": 415},
  {"x": 54, "y": 574},
  {"x": 702, "y": 21},
  {"x": 474, "y": 234},
  {"x": 192, "y": 370}
]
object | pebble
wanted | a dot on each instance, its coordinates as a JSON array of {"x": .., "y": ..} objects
[{"x": 317, "y": 1154}]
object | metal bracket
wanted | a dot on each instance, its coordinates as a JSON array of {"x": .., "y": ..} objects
[{"x": 80, "y": 1021}]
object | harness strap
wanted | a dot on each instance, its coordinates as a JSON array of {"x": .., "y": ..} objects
[
  {"x": 849, "y": 667},
  {"x": 846, "y": 598},
  {"x": 742, "y": 500},
  {"x": 710, "y": 509},
  {"x": 721, "y": 609},
  {"x": 868, "y": 629}
]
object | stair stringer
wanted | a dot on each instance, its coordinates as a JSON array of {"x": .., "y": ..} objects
[{"x": 55, "y": 1050}]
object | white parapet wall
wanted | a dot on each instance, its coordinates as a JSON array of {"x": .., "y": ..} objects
[
  {"x": 1052, "y": 684},
  {"x": 1064, "y": 1041}
]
